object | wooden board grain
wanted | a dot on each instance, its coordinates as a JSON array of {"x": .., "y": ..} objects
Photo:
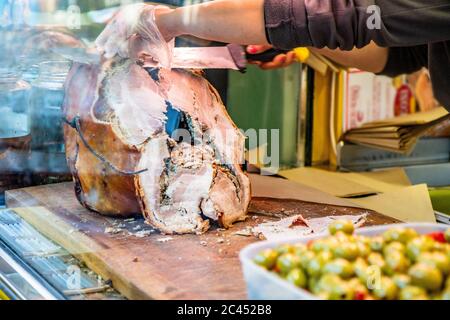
[{"x": 185, "y": 267}]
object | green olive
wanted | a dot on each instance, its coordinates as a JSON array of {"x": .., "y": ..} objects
[
  {"x": 438, "y": 246},
  {"x": 305, "y": 258},
  {"x": 396, "y": 262},
  {"x": 401, "y": 280},
  {"x": 323, "y": 245},
  {"x": 399, "y": 234},
  {"x": 376, "y": 259},
  {"x": 312, "y": 285},
  {"x": 363, "y": 248},
  {"x": 413, "y": 293},
  {"x": 425, "y": 276},
  {"x": 376, "y": 244},
  {"x": 386, "y": 289},
  {"x": 447, "y": 235},
  {"x": 418, "y": 245},
  {"x": 436, "y": 259},
  {"x": 340, "y": 267},
  {"x": 334, "y": 286},
  {"x": 266, "y": 259},
  {"x": 299, "y": 249},
  {"x": 316, "y": 264},
  {"x": 394, "y": 246},
  {"x": 297, "y": 277},
  {"x": 287, "y": 262},
  {"x": 360, "y": 266},
  {"x": 284, "y": 249},
  {"x": 346, "y": 250},
  {"x": 410, "y": 234},
  {"x": 345, "y": 226},
  {"x": 342, "y": 237},
  {"x": 357, "y": 288},
  {"x": 362, "y": 239},
  {"x": 392, "y": 234}
]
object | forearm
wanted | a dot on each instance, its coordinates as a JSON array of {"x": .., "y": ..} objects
[
  {"x": 346, "y": 24},
  {"x": 230, "y": 21},
  {"x": 371, "y": 58}
]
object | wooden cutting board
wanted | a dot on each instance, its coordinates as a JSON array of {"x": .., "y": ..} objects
[{"x": 158, "y": 266}]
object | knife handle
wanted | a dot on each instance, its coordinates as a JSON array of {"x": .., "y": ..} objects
[{"x": 266, "y": 56}]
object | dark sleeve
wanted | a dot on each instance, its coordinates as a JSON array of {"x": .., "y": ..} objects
[
  {"x": 405, "y": 60},
  {"x": 345, "y": 24}
]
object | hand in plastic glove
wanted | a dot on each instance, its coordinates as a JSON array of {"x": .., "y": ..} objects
[
  {"x": 137, "y": 21},
  {"x": 280, "y": 61}
]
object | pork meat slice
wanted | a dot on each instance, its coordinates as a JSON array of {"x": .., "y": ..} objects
[{"x": 155, "y": 141}]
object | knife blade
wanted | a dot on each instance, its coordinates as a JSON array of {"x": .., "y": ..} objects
[
  {"x": 203, "y": 58},
  {"x": 228, "y": 57}
]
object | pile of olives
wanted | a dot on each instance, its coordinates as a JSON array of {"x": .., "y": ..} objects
[{"x": 399, "y": 264}]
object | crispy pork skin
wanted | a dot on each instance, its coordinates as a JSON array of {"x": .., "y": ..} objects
[{"x": 154, "y": 141}]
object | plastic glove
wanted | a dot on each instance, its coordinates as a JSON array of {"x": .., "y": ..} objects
[{"x": 136, "y": 20}]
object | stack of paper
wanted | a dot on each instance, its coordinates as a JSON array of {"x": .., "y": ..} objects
[{"x": 398, "y": 134}]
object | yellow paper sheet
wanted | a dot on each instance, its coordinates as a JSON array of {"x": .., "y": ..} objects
[
  {"x": 331, "y": 182},
  {"x": 383, "y": 180},
  {"x": 396, "y": 198},
  {"x": 410, "y": 204},
  {"x": 349, "y": 184},
  {"x": 278, "y": 188}
]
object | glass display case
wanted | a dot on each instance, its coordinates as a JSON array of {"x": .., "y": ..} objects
[{"x": 32, "y": 148}]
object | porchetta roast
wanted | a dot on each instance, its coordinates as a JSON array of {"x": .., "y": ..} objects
[{"x": 156, "y": 141}]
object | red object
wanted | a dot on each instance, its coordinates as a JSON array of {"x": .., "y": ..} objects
[
  {"x": 437, "y": 236},
  {"x": 299, "y": 222},
  {"x": 403, "y": 101},
  {"x": 360, "y": 295}
]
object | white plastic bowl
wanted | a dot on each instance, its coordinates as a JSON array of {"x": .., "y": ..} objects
[{"x": 265, "y": 285}]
